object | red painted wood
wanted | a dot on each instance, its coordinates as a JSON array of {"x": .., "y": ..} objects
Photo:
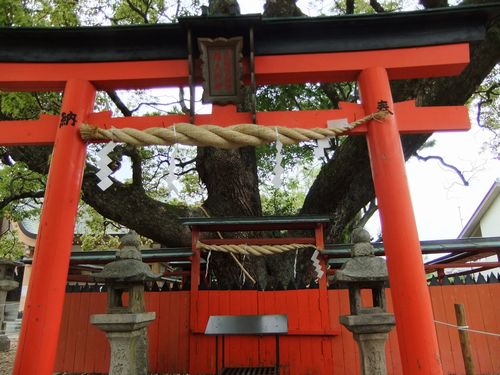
[
  {"x": 97, "y": 343},
  {"x": 491, "y": 303},
  {"x": 432, "y": 61},
  {"x": 265, "y": 301},
  {"x": 411, "y": 119},
  {"x": 441, "y": 331},
  {"x": 306, "y": 320},
  {"x": 201, "y": 347},
  {"x": 334, "y": 313},
  {"x": 152, "y": 303},
  {"x": 349, "y": 347},
  {"x": 81, "y": 332},
  {"x": 45, "y": 299},
  {"x": 477, "y": 266},
  {"x": 417, "y": 336},
  {"x": 392, "y": 344},
  {"x": 116, "y": 75},
  {"x": 71, "y": 341},
  {"x": 449, "y": 299},
  {"x": 164, "y": 330},
  {"x": 34, "y": 132},
  {"x": 300, "y": 354},
  {"x": 345, "y": 66},
  {"x": 282, "y": 307},
  {"x": 475, "y": 319},
  {"x": 174, "y": 331},
  {"x": 65, "y": 321},
  {"x": 184, "y": 333}
]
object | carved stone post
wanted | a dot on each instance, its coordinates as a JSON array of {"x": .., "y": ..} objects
[
  {"x": 7, "y": 283},
  {"x": 370, "y": 325},
  {"x": 125, "y": 322}
]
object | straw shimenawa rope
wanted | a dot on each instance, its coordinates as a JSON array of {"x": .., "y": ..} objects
[
  {"x": 221, "y": 137},
  {"x": 257, "y": 250}
]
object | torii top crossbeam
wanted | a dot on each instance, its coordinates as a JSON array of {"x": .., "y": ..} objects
[{"x": 369, "y": 49}]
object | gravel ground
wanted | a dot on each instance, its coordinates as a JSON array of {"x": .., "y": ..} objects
[{"x": 7, "y": 358}]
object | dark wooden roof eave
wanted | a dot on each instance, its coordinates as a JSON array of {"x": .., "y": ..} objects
[{"x": 273, "y": 36}]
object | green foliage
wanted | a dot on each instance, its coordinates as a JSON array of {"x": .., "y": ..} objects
[
  {"x": 294, "y": 156},
  {"x": 487, "y": 101},
  {"x": 127, "y": 12},
  {"x": 286, "y": 201},
  {"x": 138, "y": 11},
  {"x": 23, "y": 105},
  {"x": 10, "y": 246},
  {"x": 291, "y": 98},
  {"x": 96, "y": 234},
  {"x": 363, "y": 6},
  {"x": 39, "y": 13},
  {"x": 13, "y": 14},
  {"x": 19, "y": 181}
]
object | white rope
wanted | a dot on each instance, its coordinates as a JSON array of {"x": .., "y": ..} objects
[{"x": 466, "y": 328}]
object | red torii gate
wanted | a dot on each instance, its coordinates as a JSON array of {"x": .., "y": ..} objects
[{"x": 372, "y": 69}]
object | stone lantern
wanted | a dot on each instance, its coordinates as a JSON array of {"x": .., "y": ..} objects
[
  {"x": 7, "y": 283},
  {"x": 125, "y": 322},
  {"x": 370, "y": 325}
]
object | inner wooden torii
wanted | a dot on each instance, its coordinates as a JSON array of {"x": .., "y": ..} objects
[{"x": 363, "y": 49}]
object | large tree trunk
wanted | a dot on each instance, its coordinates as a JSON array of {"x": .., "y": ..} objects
[{"x": 233, "y": 189}]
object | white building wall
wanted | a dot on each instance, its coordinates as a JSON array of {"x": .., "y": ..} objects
[{"x": 490, "y": 223}]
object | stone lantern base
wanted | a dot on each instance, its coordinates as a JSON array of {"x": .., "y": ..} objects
[
  {"x": 370, "y": 332},
  {"x": 127, "y": 335},
  {"x": 5, "y": 286},
  {"x": 4, "y": 343}
]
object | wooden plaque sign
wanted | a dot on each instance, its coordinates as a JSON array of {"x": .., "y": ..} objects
[{"x": 221, "y": 69}]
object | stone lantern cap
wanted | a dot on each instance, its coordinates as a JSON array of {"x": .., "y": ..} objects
[
  {"x": 128, "y": 266},
  {"x": 7, "y": 281},
  {"x": 129, "y": 270},
  {"x": 363, "y": 267}
]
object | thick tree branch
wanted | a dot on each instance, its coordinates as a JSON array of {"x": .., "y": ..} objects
[
  {"x": 119, "y": 103},
  {"x": 144, "y": 15},
  {"x": 132, "y": 207},
  {"x": 447, "y": 165},
  {"x": 27, "y": 194},
  {"x": 136, "y": 159},
  {"x": 377, "y": 7},
  {"x": 349, "y": 7},
  {"x": 429, "y": 4}
]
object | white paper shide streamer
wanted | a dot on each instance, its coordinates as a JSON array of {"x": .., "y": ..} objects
[
  {"x": 171, "y": 172},
  {"x": 171, "y": 169},
  {"x": 319, "y": 151},
  {"x": 278, "y": 169},
  {"x": 103, "y": 164},
  {"x": 208, "y": 264},
  {"x": 316, "y": 264}
]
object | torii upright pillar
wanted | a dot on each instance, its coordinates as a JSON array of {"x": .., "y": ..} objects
[
  {"x": 411, "y": 300},
  {"x": 44, "y": 303}
]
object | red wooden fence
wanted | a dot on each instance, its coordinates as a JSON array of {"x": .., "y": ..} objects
[{"x": 316, "y": 344}]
